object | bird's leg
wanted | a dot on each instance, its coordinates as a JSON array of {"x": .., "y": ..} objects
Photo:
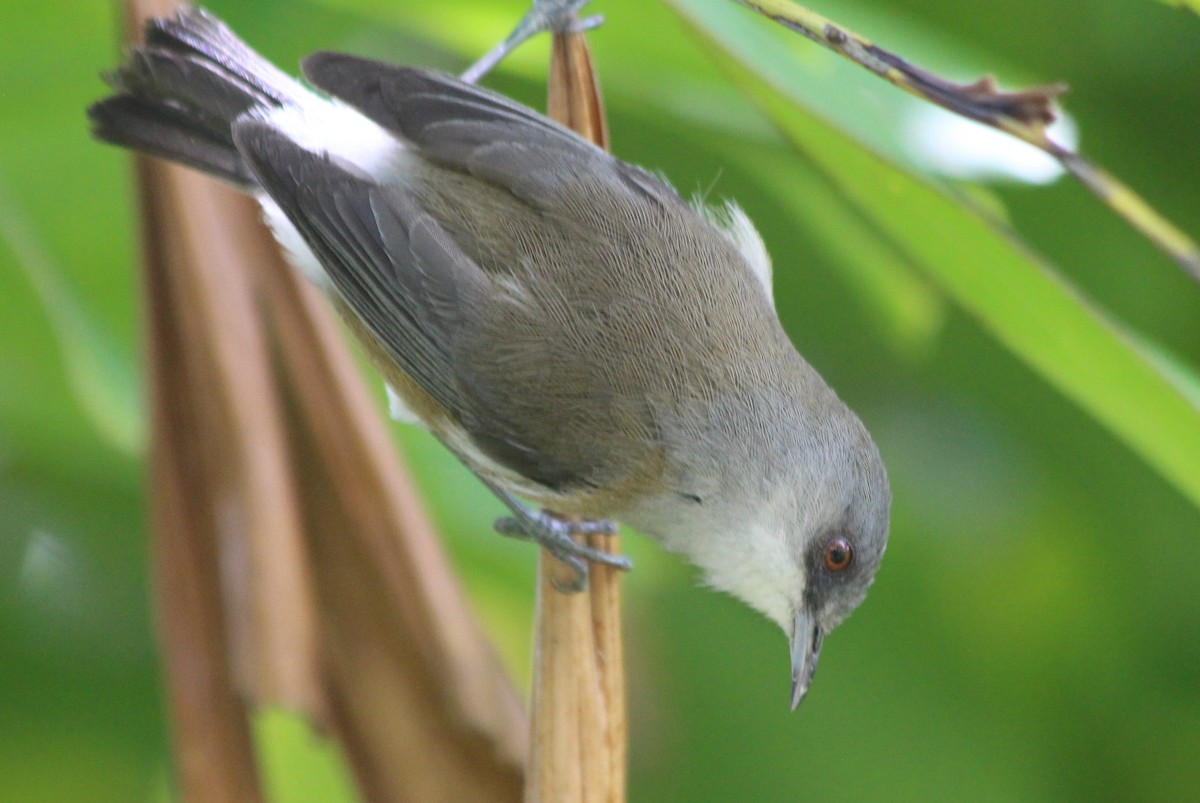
[
  {"x": 546, "y": 15},
  {"x": 555, "y": 535},
  {"x": 552, "y": 533}
]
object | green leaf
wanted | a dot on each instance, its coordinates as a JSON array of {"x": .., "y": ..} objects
[
  {"x": 102, "y": 379},
  {"x": 908, "y": 311},
  {"x": 1022, "y": 301},
  {"x": 1191, "y": 5},
  {"x": 298, "y": 765}
]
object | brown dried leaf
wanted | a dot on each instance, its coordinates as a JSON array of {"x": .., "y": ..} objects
[
  {"x": 417, "y": 694},
  {"x": 293, "y": 564}
]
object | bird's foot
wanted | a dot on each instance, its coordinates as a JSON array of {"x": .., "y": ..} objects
[{"x": 556, "y": 536}]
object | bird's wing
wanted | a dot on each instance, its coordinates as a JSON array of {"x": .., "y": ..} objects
[
  {"x": 402, "y": 275},
  {"x": 494, "y": 139},
  {"x": 479, "y": 132}
]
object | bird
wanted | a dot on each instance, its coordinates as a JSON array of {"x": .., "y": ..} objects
[{"x": 579, "y": 335}]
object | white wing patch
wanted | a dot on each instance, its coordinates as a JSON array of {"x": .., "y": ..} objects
[{"x": 736, "y": 225}]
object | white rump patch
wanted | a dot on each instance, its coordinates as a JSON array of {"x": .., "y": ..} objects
[{"x": 328, "y": 127}]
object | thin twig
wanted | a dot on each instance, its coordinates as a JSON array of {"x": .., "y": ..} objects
[{"x": 1023, "y": 114}]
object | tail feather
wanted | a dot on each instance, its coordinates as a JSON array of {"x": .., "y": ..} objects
[
  {"x": 186, "y": 80},
  {"x": 171, "y": 133},
  {"x": 196, "y": 33},
  {"x": 178, "y": 94}
]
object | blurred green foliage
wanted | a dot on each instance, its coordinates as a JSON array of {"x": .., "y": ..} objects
[{"x": 1035, "y": 631}]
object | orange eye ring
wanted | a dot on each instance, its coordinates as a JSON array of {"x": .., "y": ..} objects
[{"x": 838, "y": 555}]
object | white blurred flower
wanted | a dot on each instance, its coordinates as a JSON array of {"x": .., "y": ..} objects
[
  {"x": 52, "y": 581},
  {"x": 956, "y": 147}
]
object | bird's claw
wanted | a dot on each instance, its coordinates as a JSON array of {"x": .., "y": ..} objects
[
  {"x": 585, "y": 24},
  {"x": 559, "y": 16},
  {"x": 555, "y": 535}
]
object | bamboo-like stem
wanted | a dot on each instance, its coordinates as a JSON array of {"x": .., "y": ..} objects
[
  {"x": 210, "y": 732},
  {"x": 579, "y": 733},
  {"x": 293, "y": 565},
  {"x": 235, "y": 613}
]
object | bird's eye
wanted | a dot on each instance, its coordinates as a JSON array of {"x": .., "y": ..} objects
[{"x": 838, "y": 555}]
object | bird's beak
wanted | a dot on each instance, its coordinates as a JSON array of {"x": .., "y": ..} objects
[{"x": 806, "y": 648}]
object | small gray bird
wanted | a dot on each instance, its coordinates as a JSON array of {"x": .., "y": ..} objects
[{"x": 567, "y": 325}]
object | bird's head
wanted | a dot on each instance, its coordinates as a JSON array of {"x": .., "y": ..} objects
[{"x": 806, "y": 554}]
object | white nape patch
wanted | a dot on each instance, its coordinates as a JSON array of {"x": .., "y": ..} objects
[
  {"x": 736, "y": 225},
  {"x": 398, "y": 410}
]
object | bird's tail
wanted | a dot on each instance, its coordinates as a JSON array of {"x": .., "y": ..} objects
[{"x": 178, "y": 94}]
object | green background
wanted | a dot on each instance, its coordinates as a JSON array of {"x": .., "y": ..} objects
[{"x": 1034, "y": 633}]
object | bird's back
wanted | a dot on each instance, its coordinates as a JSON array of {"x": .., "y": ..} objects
[{"x": 612, "y": 303}]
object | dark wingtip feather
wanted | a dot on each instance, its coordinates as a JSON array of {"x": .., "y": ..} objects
[
  {"x": 280, "y": 165},
  {"x": 435, "y": 111},
  {"x": 327, "y": 70},
  {"x": 256, "y": 140},
  {"x": 319, "y": 63},
  {"x": 368, "y": 85}
]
